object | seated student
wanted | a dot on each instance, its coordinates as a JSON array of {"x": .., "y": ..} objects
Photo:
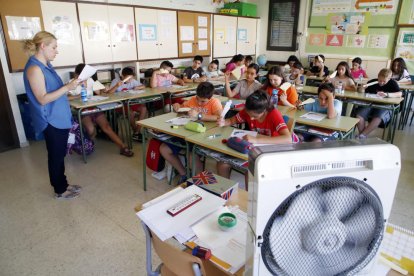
[
  {"x": 289, "y": 63},
  {"x": 295, "y": 74},
  {"x": 343, "y": 76},
  {"x": 246, "y": 86},
  {"x": 128, "y": 82},
  {"x": 274, "y": 79},
  {"x": 386, "y": 87},
  {"x": 203, "y": 108},
  {"x": 260, "y": 115},
  {"x": 318, "y": 68},
  {"x": 237, "y": 61},
  {"x": 356, "y": 71},
  {"x": 325, "y": 103},
  {"x": 247, "y": 61},
  {"x": 212, "y": 71},
  {"x": 400, "y": 72},
  {"x": 195, "y": 73},
  {"x": 89, "y": 121}
]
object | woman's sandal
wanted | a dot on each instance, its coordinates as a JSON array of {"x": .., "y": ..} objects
[{"x": 126, "y": 152}]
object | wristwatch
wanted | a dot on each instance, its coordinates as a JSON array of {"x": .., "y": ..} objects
[{"x": 200, "y": 116}]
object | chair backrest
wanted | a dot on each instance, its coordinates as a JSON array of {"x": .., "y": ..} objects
[
  {"x": 290, "y": 122},
  {"x": 176, "y": 261}
]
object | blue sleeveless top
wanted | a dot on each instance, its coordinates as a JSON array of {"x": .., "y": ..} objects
[{"x": 56, "y": 113}]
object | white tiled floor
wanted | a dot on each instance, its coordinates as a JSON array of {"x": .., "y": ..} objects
[{"x": 98, "y": 233}]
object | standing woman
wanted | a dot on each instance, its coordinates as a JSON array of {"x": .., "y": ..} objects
[{"x": 49, "y": 108}]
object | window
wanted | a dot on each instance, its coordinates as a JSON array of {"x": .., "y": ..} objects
[{"x": 283, "y": 24}]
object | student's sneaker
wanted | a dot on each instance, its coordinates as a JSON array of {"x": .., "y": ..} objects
[
  {"x": 160, "y": 175},
  {"x": 182, "y": 179},
  {"x": 137, "y": 137},
  {"x": 74, "y": 188},
  {"x": 67, "y": 195},
  {"x": 361, "y": 137}
]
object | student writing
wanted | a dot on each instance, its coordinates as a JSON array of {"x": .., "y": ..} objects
[{"x": 400, "y": 72}]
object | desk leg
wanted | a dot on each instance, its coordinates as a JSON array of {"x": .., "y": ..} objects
[
  {"x": 394, "y": 126},
  {"x": 409, "y": 99},
  {"x": 187, "y": 155},
  {"x": 81, "y": 133},
  {"x": 402, "y": 113},
  {"x": 128, "y": 133},
  {"x": 148, "y": 247},
  {"x": 144, "y": 164},
  {"x": 193, "y": 162}
]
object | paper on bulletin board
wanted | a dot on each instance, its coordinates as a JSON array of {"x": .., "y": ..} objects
[
  {"x": 220, "y": 34},
  {"x": 202, "y": 21},
  {"x": 147, "y": 32},
  {"x": 407, "y": 38},
  {"x": 405, "y": 52},
  {"x": 186, "y": 33},
  {"x": 62, "y": 28},
  {"x": 241, "y": 34},
  {"x": 356, "y": 41},
  {"x": 202, "y": 33},
  {"x": 378, "y": 41},
  {"x": 187, "y": 47},
  {"x": 22, "y": 27},
  {"x": 334, "y": 40},
  {"x": 328, "y": 6},
  {"x": 376, "y": 7},
  {"x": 96, "y": 30},
  {"x": 348, "y": 23},
  {"x": 202, "y": 45},
  {"x": 316, "y": 39},
  {"x": 122, "y": 32}
]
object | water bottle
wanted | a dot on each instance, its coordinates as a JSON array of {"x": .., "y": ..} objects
[
  {"x": 274, "y": 97},
  {"x": 360, "y": 79},
  {"x": 339, "y": 88},
  {"x": 84, "y": 93}
]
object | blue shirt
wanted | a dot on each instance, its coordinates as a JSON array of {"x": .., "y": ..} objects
[
  {"x": 316, "y": 107},
  {"x": 56, "y": 113}
]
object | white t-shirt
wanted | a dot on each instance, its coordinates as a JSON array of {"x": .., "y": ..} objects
[{"x": 89, "y": 88}]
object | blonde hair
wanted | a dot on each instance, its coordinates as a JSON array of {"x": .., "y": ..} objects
[
  {"x": 385, "y": 73},
  {"x": 31, "y": 46}
]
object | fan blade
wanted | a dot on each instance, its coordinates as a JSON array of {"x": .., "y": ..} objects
[
  {"x": 341, "y": 201},
  {"x": 343, "y": 259},
  {"x": 361, "y": 225}
]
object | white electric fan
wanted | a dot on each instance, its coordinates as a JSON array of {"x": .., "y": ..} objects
[{"x": 319, "y": 208}]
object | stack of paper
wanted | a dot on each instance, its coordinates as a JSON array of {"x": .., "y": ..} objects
[
  {"x": 180, "y": 121},
  {"x": 165, "y": 226},
  {"x": 240, "y": 133},
  {"x": 314, "y": 116}
]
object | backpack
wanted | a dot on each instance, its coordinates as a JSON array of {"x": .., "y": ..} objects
[
  {"x": 76, "y": 144},
  {"x": 155, "y": 161}
]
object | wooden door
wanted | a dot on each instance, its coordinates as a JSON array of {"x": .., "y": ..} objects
[
  {"x": 202, "y": 34},
  {"x": 167, "y": 29},
  {"x": 224, "y": 36},
  {"x": 246, "y": 36},
  {"x": 122, "y": 29},
  {"x": 61, "y": 19},
  {"x": 186, "y": 34},
  {"x": 146, "y": 23},
  {"x": 96, "y": 40}
]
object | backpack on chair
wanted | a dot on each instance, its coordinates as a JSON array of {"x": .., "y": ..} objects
[
  {"x": 154, "y": 159},
  {"x": 76, "y": 146}
]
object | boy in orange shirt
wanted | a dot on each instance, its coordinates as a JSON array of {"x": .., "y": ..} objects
[{"x": 203, "y": 108}]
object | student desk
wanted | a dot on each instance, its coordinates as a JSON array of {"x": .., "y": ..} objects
[
  {"x": 86, "y": 108},
  {"x": 356, "y": 98},
  {"x": 408, "y": 90},
  {"x": 236, "y": 199},
  {"x": 158, "y": 123}
]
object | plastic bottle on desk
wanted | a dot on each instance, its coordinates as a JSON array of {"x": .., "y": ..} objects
[
  {"x": 339, "y": 88},
  {"x": 360, "y": 79},
  {"x": 84, "y": 93},
  {"x": 274, "y": 97}
]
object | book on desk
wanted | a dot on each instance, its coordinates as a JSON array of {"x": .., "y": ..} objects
[{"x": 214, "y": 184}]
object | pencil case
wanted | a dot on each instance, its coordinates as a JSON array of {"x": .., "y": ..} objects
[
  {"x": 194, "y": 126},
  {"x": 239, "y": 144}
]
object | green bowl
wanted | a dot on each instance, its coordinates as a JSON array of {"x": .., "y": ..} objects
[{"x": 227, "y": 221}]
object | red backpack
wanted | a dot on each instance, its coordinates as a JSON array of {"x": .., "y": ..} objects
[{"x": 155, "y": 161}]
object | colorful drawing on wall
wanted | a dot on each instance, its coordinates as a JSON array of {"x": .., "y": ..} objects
[
  {"x": 405, "y": 52},
  {"x": 355, "y": 41},
  {"x": 316, "y": 39},
  {"x": 147, "y": 32},
  {"x": 330, "y": 6},
  {"x": 348, "y": 23},
  {"x": 407, "y": 38},
  {"x": 123, "y": 33},
  {"x": 376, "y": 6},
  {"x": 334, "y": 40},
  {"x": 96, "y": 30},
  {"x": 62, "y": 28},
  {"x": 378, "y": 41}
]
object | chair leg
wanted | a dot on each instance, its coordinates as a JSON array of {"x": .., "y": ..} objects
[
  {"x": 246, "y": 181},
  {"x": 412, "y": 117}
]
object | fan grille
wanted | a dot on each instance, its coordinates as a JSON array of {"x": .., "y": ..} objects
[{"x": 332, "y": 226}]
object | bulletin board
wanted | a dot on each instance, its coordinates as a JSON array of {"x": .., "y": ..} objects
[
  {"x": 383, "y": 14},
  {"x": 28, "y": 10},
  {"x": 407, "y": 12},
  {"x": 404, "y": 46}
]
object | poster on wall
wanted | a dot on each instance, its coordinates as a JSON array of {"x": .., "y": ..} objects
[
  {"x": 407, "y": 38},
  {"x": 405, "y": 52},
  {"x": 147, "y": 32},
  {"x": 321, "y": 7},
  {"x": 186, "y": 33},
  {"x": 334, "y": 40},
  {"x": 348, "y": 23},
  {"x": 316, "y": 39},
  {"x": 376, "y": 7},
  {"x": 242, "y": 34},
  {"x": 123, "y": 33},
  {"x": 96, "y": 30},
  {"x": 22, "y": 27},
  {"x": 355, "y": 41},
  {"x": 62, "y": 28},
  {"x": 378, "y": 41}
]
